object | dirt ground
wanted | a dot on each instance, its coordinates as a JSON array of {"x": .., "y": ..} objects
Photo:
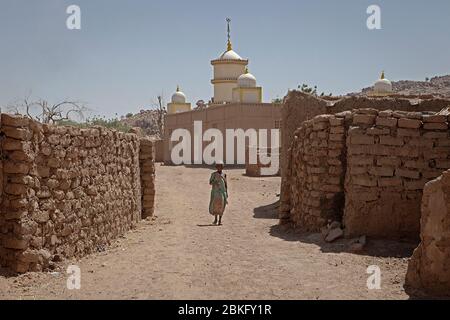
[{"x": 179, "y": 255}]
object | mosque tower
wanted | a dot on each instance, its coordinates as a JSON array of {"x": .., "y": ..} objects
[
  {"x": 178, "y": 103},
  {"x": 227, "y": 69},
  {"x": 247, "y": 91}
]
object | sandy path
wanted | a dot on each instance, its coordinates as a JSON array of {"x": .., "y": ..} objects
[{"x": 180, "y": 256}]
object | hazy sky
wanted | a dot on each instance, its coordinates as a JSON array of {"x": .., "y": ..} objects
[{"x": 129, "y": 51}]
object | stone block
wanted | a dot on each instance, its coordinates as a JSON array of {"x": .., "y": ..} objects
[
  {"x": 412, "y": 174},
  {"x": 365, "y": 119},
  {"x": 409, "y": 123},
  {"x": 386, "y": 122}
]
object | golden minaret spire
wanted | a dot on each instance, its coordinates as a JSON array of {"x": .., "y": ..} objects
[
  {"x": 382, "y": 75},
  {"x": 229, "y": 46},
  {"x": 178, "y": 88}
]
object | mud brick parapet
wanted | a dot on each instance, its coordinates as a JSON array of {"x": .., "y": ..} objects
[
  {"x": 65, "y": 191},
  {"x": 429, "y": 267},
  {"x": 147, "y": 164},
  {"x": 386, "y": 158}
]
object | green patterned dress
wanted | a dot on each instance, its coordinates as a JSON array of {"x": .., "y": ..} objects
[{"x": 219, "y": 193}]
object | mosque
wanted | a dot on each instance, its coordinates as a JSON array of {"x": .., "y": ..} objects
[{"x": 237, "y": 102}]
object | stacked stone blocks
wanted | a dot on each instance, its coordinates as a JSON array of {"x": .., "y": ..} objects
[
  {"x": 318, "y": 159},
  {"x": 65, "y": 191},
  {"x": 382, "y": 159},
  {"x": 147, "y": 164}
]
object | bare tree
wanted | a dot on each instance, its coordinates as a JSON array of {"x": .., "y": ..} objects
[
  {"x": 45, "y": 112},
  {"x": 161, "y": 112}
]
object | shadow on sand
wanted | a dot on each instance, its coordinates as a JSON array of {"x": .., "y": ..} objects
[
  {"x": 269, "y": 211},
  {"x": 374, "y": 247},
  {"x": 5, "y": 273}
]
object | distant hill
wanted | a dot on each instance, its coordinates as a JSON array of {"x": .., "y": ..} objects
[
  {"x": 147, "y": 120},
  {"x": 437, "y": 86}
]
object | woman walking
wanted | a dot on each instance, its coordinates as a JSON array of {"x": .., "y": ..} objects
[{"x": 219, "y": 193}]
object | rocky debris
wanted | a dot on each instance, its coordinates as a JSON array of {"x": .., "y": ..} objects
[
  {"x": 358, "y": 244},
  {"x": 332, "y": 231},
  {"x": 334, "y": 234}
]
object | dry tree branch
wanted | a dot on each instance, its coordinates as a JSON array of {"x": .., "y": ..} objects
[{"x": 50, "y": 113}]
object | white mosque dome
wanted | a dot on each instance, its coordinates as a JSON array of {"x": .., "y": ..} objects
[
  {"x": 246, "y": 80},
  {"x": 230, "y": 55},
  {"x": 382, "y": 85},
  {"x": 178, "y": 97}
]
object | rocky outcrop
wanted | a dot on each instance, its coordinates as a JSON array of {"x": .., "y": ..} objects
[{"x": 437, "y": 86}]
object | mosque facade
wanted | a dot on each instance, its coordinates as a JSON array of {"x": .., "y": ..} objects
[{"x": 237, "y": 103}]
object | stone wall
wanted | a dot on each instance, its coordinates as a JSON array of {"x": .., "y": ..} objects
[
  {"x": 386, "y": 159},
  {"x": 391, "y": 155},
  {"x": 429, "y": 267},
  {"x": 147, "y": 164},
  {"x": 299, "y": 107},
  {"x": 317, "y": 180},
  {"x": 67, "y": 191}
]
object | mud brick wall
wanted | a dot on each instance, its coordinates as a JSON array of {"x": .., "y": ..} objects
[
  {"x": 159, "y": 151},
  {"x": 254, "y": 169},
  {"x": 67, "y": 191},
  {"x": 376, "y": 162},
  {"x": 429, "y": 267},
  {"x": 391, "y": 155},
  {"x": 317, "y": 180},
  {"x": 147, "y": 164},
  {"x": 299, "y": 107}
]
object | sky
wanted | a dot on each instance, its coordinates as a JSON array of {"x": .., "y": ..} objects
[{"x": 129, "y": 51}]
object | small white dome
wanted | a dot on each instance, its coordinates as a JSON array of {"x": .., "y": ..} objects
[
  {"x": 178, "y": 97},
  {"x": 247, "y": 80},
  {"x": 382, "y": 85},
  {"x": 230, "y": 55}
]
